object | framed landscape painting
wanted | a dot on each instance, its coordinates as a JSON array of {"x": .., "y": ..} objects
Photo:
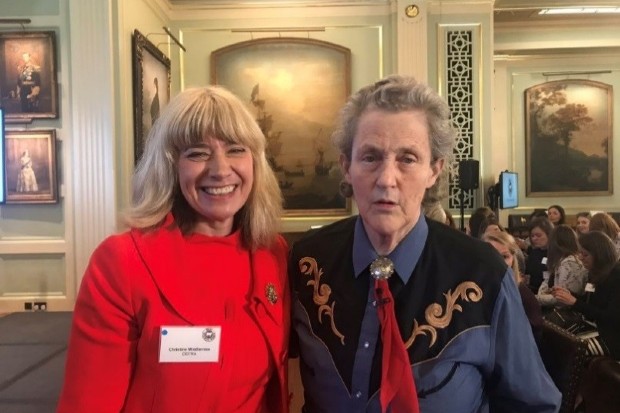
[
  {"x": 30, "y": 162},
  {"x": 28, "y": 85},
  {"x": 569, "y": 134},
  {"x": 151, "y": 88},
  {"x": 295, "y": 87}
]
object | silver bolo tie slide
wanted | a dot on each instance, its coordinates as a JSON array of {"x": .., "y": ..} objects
[{"x": 382, "y": 268}]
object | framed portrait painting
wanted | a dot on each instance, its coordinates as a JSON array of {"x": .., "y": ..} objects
[
  {"x": 28, "y": 85},
  {"x": 30, "y": 167},
  {"x": 568, "y": 138},
  {"x": 151, "y": 87},
  {"x": 295, "y": 87}
]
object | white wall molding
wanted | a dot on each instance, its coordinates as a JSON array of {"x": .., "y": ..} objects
[{"x": 92, "y": 142}]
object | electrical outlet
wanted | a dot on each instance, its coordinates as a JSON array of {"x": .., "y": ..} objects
[
  {"x": 40, "y": 306},
  {"x": 28, "y": 306}
]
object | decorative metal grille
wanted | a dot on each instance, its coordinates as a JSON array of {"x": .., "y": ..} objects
[{"x": 460, "y": 96}]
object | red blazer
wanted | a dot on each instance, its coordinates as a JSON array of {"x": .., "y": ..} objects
[{"x": 137, "y": 282}]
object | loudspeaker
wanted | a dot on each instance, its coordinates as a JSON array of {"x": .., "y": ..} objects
[{"x": 469, "y": 171}]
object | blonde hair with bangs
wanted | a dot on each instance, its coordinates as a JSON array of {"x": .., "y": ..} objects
[
  {"x": 508, "y": 241},
  {"x": 187, "y": 120}
]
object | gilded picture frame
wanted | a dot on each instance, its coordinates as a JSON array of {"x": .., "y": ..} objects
[
  {"x": 151, "y": 87},
  {"x": 569, "y": 137},
  {"x": 295, "y": 87},
  {"x": 30, "y": 167},
  {"x": 28, "y": 80}
]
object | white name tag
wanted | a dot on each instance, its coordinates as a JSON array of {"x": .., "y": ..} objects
[
  {"x": 544, "y": 261},
  {"x": 590, "y": 288},
  {"x": 189, "y": 344}
]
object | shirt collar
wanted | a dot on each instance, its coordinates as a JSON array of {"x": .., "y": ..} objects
[{"x": 405, "y": 256}]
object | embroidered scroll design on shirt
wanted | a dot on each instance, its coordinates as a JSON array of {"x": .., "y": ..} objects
[
  {"x": 437, "y": 318},
  {"x": 320, "y": 296}
]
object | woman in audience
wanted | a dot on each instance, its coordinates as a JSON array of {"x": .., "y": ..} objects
[
  {"x": 536, "y": 253},
  {"x": 435, "y": 212},
  {"x": 604, "y": 222},
  {"x": 583, "y": 222},
  {"x": 600, "y": 303},
  {"x": 556, "y": 215},
  {"x": 476, "y": 218},
  {"x": 450, "y": 219},
  {"x": 565, "y": 269},
  {"x": 490, "y": 225},
  {"x": 505, "y": 244}
]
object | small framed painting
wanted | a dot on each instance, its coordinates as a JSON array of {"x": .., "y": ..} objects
[
  {"x": 28, "y": 85},
  {"x": 30, "y": 167}
]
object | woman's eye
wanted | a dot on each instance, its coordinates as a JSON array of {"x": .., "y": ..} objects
[
  {"x": 196, "y": 154},
  {"x": 369, "y": 158},
  {"x": 237, "y": 150}
]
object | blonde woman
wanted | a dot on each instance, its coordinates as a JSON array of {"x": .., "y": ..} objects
[
  {"x": 507, "y": 247},
  {"x": 188, "y": 311}
]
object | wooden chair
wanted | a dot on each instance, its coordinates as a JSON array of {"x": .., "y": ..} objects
[
  {"x": 564, "y": 356},
  {"x": 601, "y": 386}
]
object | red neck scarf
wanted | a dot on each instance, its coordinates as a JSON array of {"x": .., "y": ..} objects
[{"x": 397, "y": 385}]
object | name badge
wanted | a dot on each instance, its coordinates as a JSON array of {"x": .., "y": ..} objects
[
  {"x": 196, "y": 344},
  {"x": 544, "y": 261},
  {"x": 590, "y": 288}
]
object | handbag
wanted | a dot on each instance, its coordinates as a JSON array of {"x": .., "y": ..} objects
[{"x": 570, "y": 320}]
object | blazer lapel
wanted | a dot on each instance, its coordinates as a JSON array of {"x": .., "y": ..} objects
[{"x": 164, "y": 255}]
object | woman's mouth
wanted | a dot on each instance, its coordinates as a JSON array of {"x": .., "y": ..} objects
[{"x": 219, "y": 190}]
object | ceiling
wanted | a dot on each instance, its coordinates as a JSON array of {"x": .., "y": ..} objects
[{"x": 506, "y": 11}]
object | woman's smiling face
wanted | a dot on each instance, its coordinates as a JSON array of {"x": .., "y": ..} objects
[{"x": 216, "y": 179}]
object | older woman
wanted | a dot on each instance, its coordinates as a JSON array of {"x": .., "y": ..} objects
[
  {"x": 188, "y": 310},
  {"x": 600, "y": 303},
  {"x": 388, "y": 302}
]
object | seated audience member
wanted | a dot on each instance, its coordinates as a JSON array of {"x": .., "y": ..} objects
[
  {"x": 556, "y": 215},
  {"x": 505, "y": 244},
  {"x": 476, "y": 218},
  {"x": 600, "y": 302},
  {"x": 565, "y": 269},
  {"x": 435, "y": 212},
  {"x": 536, "y": 253},
  {"x": 602, "y": 221},
  {"x": 450, "y": 219},
  {"x": 537, "y": 213},
  {"x": 489, "y": 225},
  {"x": 583, "y": 222}
]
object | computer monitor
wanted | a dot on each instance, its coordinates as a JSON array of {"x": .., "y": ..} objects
[
  {"x": 508, "y": 190},
  {"x": 2, "y": 156}
]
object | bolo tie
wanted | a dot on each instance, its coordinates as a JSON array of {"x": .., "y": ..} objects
[{"x": 397, "y": 385}]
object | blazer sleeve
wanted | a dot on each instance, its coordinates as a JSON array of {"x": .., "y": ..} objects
[{"x": 102, "y": 345}]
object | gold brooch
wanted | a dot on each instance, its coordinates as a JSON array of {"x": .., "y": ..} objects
[{"x": 271, "y": 294}]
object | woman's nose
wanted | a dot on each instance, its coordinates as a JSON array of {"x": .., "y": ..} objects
[
  {"x": 218, "y": 165},
  {"x": 387, "y": 173}
]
